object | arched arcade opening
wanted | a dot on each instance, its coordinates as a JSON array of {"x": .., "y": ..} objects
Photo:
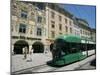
[
  {"x": 19, "y": 45},
  {"x": 38, "y": 47}
]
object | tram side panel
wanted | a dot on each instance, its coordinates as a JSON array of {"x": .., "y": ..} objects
[
  {"x": 91, "y": 52},
  {"x": 91, "y": 49}
]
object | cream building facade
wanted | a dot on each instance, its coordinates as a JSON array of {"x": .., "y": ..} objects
[
  {"x": 85, "y": 30},
  {"x": 58, "y": 22},
  {"x": 27, "y": 26},
  {"x": 36, "y": 25},
  {"x": 93, "y": 34}
]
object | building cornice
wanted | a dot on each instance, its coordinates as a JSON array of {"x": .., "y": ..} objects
[{"x": 59, "y": 9}]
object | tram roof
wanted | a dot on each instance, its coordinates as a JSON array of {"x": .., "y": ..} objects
[{"x": 70, "y": 38}]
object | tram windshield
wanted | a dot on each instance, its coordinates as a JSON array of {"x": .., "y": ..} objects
[{"x": 62, "y": 47}]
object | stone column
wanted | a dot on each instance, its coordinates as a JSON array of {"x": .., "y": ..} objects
[
  {"x": 46, "y": 48},
  {"x": 30, "y": 47}
]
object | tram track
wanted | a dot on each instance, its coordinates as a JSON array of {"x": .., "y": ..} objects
[{"x": 40, "y": 68}]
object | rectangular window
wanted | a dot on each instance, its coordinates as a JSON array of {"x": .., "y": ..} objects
[
  {"x": 24, "y": 14},
  {"x": 52, "y": 34},
  {"x": 39, "y": 31},
  {"x": 53, "y": 6},
  {"x": 39, "y": 19},
  {"x": 66, "y": 21},
  {"x": 60, "y": 18},
  {"x": 81, "y": 31},
  {"x": 52, "y": 24},
  {"x": 66, "y": 28},
  {"x": 88, "y": 34},
  {"x": 41, "y": 6},
  {"x": 60, "y": 26},
  {"x": 31, "y": 31},
  {"x": 22, "y": 28},
  {"x": 70, "y": 30},
  {"x": 12, "y": 28},
  {"x": 70, "y": 22},
  {"x": 85, "y": 33},
  {"x": 60, "y": 33},
  {"x": 74, "y": 48},
  {"x": 52, "y": 14}
]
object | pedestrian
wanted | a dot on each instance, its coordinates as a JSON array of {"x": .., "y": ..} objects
[
  {"x": 23, "y": 49},
  {"x": 25, "y": 52},
  {"x": 30, "y": 55}
]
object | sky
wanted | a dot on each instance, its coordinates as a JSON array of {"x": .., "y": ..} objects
[{"x": 83, "y": 11}]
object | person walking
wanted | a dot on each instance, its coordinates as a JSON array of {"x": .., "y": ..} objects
[
  {"x": 25, "y": 52},
  {"x": 30, "y": 55}
]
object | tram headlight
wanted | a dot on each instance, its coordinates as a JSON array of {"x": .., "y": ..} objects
[{"x": 84, "y": 53}]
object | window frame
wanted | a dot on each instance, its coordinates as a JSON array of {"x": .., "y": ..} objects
[
  {"x": 39, "y": 19},
  {"x": 24, "y": 14},
  {"x": 22, "y": 28},
  {"x": 39, "y": 32}
]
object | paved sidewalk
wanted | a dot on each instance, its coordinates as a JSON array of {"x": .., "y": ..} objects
[{"x": 18, "y": 63}]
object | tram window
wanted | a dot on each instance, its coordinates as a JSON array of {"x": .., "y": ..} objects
[
  {"x": 58, "y": 48},
  {"x": 94, "y": 46},
  {"x": 63, "y": 46},
  {"x": 88, "y": 46},
  {"x": 83, "y": 47},
  {"x": 79, "y": 46},
  {"x": 91, "y": 46},
  {"x": 63, "y": 53},
  {"x": 67, "y": 48},
  {"x": 74, "y": 48}
]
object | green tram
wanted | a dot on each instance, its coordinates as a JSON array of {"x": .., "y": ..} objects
[{"x": 68, "y": 49}]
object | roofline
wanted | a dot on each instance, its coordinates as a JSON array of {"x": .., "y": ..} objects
[{"x": 60, "y": 9}]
